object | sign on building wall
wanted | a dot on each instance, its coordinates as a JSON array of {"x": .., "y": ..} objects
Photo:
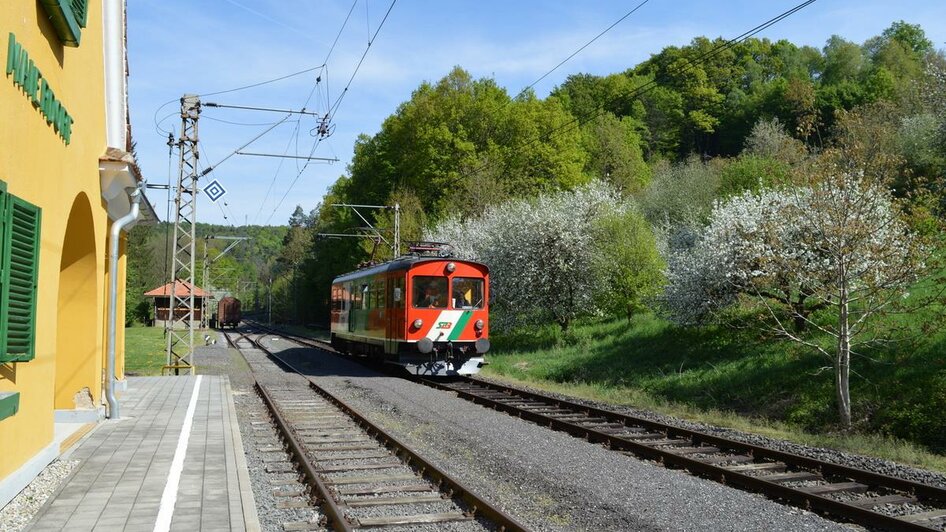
[{"x": 27, "y": 77}]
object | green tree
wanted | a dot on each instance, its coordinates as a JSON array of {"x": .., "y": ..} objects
[
  {"x": 627, "y": 263},
  {"x": 614, "y": 153}
]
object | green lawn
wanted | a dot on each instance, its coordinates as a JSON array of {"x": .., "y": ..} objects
[
  {"x": 145, "y": 350},
  {"x": 741, "y": 379}
]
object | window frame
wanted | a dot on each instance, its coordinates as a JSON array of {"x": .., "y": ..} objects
[
  {"x": 445, "y": 294},
  {"x": 12, "y": 206},
  {"x": 482, "y": 289}
]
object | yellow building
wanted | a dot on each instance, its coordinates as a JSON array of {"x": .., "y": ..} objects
[{"x": 65, "y": 179}]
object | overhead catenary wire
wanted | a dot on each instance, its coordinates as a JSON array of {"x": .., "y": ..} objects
[
  {"x": 206, "y": 171},
  {"x": 232, "y": 123},
  {"x": 652, "y": 84},
  {"x": 270, "y": 19},
  {"x": 341, "y": 96},
  {"x": 689, "y": 65},
  {"x": 334, "y": 109},
  {"x": 295, "y": 136},
  {"x": 251, "y": 141},
  {"x": 273, "y": 181},
  {"x": 579, "y": 50}
]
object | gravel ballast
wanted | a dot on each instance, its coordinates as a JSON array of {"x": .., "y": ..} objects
[
  {"x": 876, "y": 465},
  {"x": 548, "y": 480},
  {"x": 19, "y": 511},
  {"x": 257, "y": 433}
]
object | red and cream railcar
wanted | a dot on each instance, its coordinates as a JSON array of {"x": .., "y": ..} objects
[{"x": 427, "y": 314}]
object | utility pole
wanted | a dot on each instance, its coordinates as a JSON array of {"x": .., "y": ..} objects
[
  {"x": 374, "y": 233},
  {"x": 270, "y": 300},
  {"x": 179, "y": 329}
]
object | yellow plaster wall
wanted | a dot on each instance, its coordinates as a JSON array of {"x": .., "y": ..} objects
[{"x": 40, "y": 168}]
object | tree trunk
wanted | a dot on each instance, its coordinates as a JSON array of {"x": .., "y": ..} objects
[
  {"x": 799, "y": 314},
  {"x": 843, "y": 361}
]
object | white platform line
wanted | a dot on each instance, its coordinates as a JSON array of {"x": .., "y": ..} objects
[{"x": 169, "y": 497}]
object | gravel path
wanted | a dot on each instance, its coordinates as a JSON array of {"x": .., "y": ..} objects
[
  {"x": 548, "y": 479},
  {"x": 19, "y": 511}
]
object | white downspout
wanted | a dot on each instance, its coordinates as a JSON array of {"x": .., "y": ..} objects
[
  {"x": 114, "y": 236},
  {"x": 115, "y": 95}
]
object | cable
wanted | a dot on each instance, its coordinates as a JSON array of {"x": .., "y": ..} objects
[
  {"x": 330, "y": 50},
  {"x": 334, "y": 109},
  {"x": 251, "y": 141},
  {"x": 157, "y": 126},
  {"x": 650, "y": 85},
  {"x": 294, "y": 180},
  {"x": 690, "y": 64},
  {"x": 241, "y": 123},
  {"x": 270, "y": 19},
  {"x": 341, "y": 96},
  {"x": 205, "y": 171},
  {"x": 274, "y": 80},
  {"x": 576, "y": 52},
  {"x": 273, "y": 182}
]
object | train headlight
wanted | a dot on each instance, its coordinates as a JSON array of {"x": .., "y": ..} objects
[
  {"x": 418, "y": 323},
  {"x": 451, "y": 267},
  {"x": 479, "y": 325}
]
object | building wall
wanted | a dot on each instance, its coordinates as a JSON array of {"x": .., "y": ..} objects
[{"x": 63, "y": 180}]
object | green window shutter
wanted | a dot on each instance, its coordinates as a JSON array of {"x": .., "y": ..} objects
[
  {"x": 20, "y": 269},
  {"x": 80, "y": 11},
  {"x": 68, "y": 17}
]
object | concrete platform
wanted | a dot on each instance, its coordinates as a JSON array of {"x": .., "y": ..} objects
[{"x": 174, "y": 461}]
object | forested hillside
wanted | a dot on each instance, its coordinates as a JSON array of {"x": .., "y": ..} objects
[
  {"x": 762, "y": 193},
  {"x": 243, "y": 271},
  {"x": 670, "y": 134}
]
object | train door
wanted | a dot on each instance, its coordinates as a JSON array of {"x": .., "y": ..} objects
[
  {"x": 340, "y": 306},
  {"x": 353, "y": 298},
  {"x": 392, "y": 296}
]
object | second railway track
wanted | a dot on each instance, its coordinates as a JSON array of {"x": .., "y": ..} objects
[
  {"x": 835, "y": 490},
  {"x": 361, "y": 476}
]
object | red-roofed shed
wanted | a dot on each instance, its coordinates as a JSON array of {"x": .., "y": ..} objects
[{"x": 162, "y": 301}]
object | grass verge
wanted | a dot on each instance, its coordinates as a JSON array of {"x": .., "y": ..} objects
[
  {"x": 145, "y": 350},
  {"x": 740, "y": 380}
]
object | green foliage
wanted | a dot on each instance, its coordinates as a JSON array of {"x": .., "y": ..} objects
[
  {"x": 239, "y": 271},
  {"x": 435, "y": 142},
  {"x": 614, "y": 153},
  {"x": 681, "y": 193},
  {"x": 628, "y": 263},
  {"x": 751, "y": 172},
  {"x": 142, "y": 272}
]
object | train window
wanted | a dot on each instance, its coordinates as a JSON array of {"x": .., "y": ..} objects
[
  {"x": 379, "y": 294},
  {"x": 467, "y": 293},
  {"x": 430, "y": 292},
  {"x": 399, "y": 293}
]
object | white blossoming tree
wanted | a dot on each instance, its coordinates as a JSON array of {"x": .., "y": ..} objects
[
  {"x": 544, "y": 253},
  {"x": 839, "y": 244}
]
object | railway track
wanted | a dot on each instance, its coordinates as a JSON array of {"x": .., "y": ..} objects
[
  {"x": 842, "y": 492},
  {"x": 361, "y": 476}
]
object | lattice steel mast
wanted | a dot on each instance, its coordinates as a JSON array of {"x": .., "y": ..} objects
[{"x": 179, "y": 328}]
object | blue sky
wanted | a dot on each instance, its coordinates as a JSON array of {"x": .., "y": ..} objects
[{"x": 205, "y": 46}]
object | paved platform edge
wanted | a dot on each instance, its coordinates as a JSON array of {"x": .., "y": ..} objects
[{"x": 250, "y": 517}]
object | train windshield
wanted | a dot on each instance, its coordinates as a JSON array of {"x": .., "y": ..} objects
[
  {"x": 467, "y": 293},
  {"x": 430, "y": 292}
]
